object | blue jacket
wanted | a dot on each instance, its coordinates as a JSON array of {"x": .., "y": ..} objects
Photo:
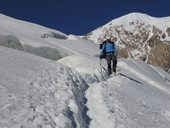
[{"x": 108, "y": 48}]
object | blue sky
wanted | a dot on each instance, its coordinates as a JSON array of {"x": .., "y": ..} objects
[{"x": 79, "y": 16}]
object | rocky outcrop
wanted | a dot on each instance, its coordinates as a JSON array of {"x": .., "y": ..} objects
[
  {"x": 168, "y": 31},
  {"x": 123, "y": 52},
  {"x": 160, "y": 56}
]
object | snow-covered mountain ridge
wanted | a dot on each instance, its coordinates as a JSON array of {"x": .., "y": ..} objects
[
  {"x": 23, "y": 29},
  {"x": 74, "y": 91},
  {"x": 140, "y": 36}
]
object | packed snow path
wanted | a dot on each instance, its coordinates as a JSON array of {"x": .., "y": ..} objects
[
  {"x": 125, "y": 101},
  {"x": 98, "y": 110}
]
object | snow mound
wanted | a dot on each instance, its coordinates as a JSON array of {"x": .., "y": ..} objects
[{"x": 87, "y": 66}]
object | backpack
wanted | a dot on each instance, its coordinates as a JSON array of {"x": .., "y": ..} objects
[{"x": 104, "y": 50}]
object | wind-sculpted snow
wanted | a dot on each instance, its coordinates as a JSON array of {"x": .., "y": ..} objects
[
  {"x": 35, "y": 92},
  {"x": 43, "y": 51},
  {"x": 10, "y": 42}
]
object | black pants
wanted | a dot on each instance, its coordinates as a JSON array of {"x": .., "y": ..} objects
[{"x": 111, "y": 58}]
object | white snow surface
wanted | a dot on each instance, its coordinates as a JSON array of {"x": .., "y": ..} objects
[
  {"x": 28, "y": 33},
  {"x": 75, "y": 91},
  {"x": 36, "y": 92},
  {"x": 31, "y": 34}
]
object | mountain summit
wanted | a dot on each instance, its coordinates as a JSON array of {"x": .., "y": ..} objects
[{"x": 140, "y": 36}]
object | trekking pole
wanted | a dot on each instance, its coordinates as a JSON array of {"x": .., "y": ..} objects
[{"x": 101, "y": 66}]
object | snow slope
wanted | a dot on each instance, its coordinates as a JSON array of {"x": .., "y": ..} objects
[
  {"x": 36, "y": 92},
  {"x": 26, "y": 32},
  {"x": 75, "y": 91}
]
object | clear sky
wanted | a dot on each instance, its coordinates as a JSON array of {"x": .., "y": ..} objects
[{"x": 79, "y": 16}]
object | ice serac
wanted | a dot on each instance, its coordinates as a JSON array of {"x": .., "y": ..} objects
[{"x": 140, "y": 36}]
